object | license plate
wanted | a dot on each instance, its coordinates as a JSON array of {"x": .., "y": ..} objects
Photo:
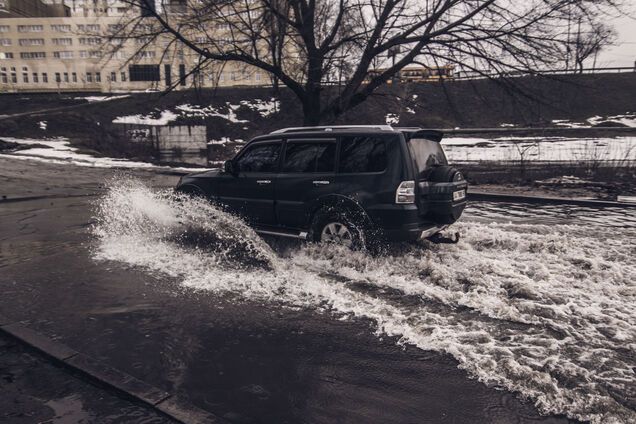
[{"x": 459, "y": 195}]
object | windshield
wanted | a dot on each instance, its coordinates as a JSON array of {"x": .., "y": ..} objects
[{"x": 426, "y": 154}]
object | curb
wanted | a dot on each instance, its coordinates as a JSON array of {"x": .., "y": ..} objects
[
  {"x": 497, "y": 197},
  {"x": 4, "y": 199},
  {"x": 167, "y": 404}
]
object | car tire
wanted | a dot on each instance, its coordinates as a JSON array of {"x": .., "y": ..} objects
[
  {"x": 443, "y": 174},
  {"x": 339, "y": 228}
]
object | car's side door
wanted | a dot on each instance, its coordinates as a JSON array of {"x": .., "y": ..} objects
[
  {"x": 250, "y": 190},
  {"x": 307, "y": 173}
]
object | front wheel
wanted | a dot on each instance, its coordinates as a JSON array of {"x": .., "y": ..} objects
[{"x": 337, "y": 228}]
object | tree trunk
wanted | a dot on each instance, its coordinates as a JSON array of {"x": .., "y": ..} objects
[{"x": 311, "y": 109}]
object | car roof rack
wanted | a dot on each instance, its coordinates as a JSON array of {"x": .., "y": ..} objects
[{"x": 333, "y": 127}]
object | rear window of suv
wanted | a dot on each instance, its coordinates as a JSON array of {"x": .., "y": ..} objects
[
  {"x": 365, "y": 153},
  {"x": 426, "y": 153}
]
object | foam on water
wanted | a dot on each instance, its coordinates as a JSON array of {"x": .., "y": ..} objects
[{"x": 545, "y": 311}]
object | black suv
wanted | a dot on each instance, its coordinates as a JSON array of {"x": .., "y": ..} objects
[{"x": 340, "y": 184}]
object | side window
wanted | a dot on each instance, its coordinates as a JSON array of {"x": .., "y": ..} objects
[
  {"x": 260, "y": 158},
  {"x": 362, "y": 154},
  {"x": 309, "y": 157}
]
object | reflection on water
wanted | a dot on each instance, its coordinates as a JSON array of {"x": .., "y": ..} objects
[{"x": 605, "y": 217}]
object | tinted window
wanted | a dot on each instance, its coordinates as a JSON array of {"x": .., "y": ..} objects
[
  {"x": 309, "y": 157},
  {"x": 362, "y": 154},
  {"x": 260, "y": 158},
  {"x": 426, "y": 153}
]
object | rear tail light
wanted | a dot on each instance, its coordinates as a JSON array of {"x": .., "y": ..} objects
[{"x": 405, "y": 192}]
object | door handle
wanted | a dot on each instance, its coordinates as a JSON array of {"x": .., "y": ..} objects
[
  {"x": 263, "y": 182},
  {"x": 321, "y": 182}
]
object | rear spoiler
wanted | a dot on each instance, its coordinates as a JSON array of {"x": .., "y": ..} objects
[{"x": 432, "y": 135}]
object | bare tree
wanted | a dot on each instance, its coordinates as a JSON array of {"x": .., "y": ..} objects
[
  {"x": 589, "y": 42},
  {"x": 308, "y": 44}
]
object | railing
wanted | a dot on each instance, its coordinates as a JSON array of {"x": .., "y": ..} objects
[{"x": 465, "y": 75}]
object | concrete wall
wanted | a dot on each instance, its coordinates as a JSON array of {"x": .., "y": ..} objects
[
  {"x": 182, "y": 144},
  {"x": 186, "y": 144}
]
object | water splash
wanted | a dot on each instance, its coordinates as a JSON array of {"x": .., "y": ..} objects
[{"x": 545, "y": 311}]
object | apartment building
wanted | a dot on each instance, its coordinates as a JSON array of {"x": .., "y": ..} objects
[
  {"x": 81, "y": 53},
  {"x": 33, "y": 8}
]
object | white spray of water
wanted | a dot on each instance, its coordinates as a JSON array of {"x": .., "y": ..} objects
[{"x": 546, "y": 311}]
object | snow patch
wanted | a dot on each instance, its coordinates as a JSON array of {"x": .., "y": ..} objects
[
  {"x": 60, "y": 151},
  {"x": 225, "y": 140},
  {"x": 92, "y": 99},
  {"x": 164, "y": 119},
  {"x": 392, "y": 118},
  {"x": 542, "y": 149}
]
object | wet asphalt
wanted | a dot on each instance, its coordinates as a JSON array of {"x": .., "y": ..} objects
[
  {"x": 248, "y": 362},
  {"x": 36, "y": 391}
]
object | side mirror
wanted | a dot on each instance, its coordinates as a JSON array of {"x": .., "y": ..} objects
[{"x": 229, "y": 167}]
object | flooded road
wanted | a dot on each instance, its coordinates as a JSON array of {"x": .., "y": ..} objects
[
  {"x": 536, "y": 301},
  {"x": 529, "y": 306}
]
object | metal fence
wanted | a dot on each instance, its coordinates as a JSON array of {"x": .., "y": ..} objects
[{"x": 468, "y": 75}]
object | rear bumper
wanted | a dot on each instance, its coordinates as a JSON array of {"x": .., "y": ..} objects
[
  {"x": 412, "y": 234},
  {"x": 402, "y": 222}
]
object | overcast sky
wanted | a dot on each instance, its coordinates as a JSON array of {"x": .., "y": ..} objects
[{"x": 624, "y": 52}]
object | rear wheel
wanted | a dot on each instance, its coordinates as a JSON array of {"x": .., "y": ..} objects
[{"x": 337, "y": 228}]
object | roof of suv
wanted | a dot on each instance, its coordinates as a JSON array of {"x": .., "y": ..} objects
[{"x": 409, "y": 132}]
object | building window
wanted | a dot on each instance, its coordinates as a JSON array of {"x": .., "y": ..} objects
[
  {"x": 89, "y": 77},
  {"x": 90, "y": 41},
  {"x": 63, "y": 55},
  {"x": 144, "y": 40},
  {"x": 63, "y": 41},
  {"x": 25, "y": 78},
  {"x": 45, "y": 77},
  {"x": 58, "y": 77},
  {"x": 182, "y": 75},
  {"x": 257, "y": 76},
  {"x": 3, "y": 76},
  {"x": 98, "y": 77},
  {"x": 65, "y": 76},
  {"x": 35, "y": 78},
  {"x": 5, "y": 41},
  {"x": 14, "y": 77},
  {"x": 32, "y": 55},
  {"x": 123, "y": 77},
  {"x": 30, "y": 28},
  {"x": 113, "y": 76},
  {"x": 61, "y": 28},
  {"x": 4, "y": 28},
  {"x": 31, "y": 41},
  {"x": 147, "y": 9},
  {"x": 144, "y": 54},
  {"x": 144, "y": 72},
  {"x": 88, "y": 28},
  {"x": 93, "y": 54},
  {"x": 74, "y": 76},
  {"x": 7, "y": 55}
]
